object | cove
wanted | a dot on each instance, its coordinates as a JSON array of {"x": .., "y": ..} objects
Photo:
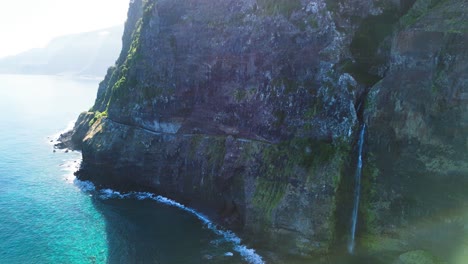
[{"x": 48, "y": 218}]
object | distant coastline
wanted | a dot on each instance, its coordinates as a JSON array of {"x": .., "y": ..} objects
[{"x": 87, "y": 55}]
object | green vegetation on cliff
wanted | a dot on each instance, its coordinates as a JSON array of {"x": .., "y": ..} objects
[
  {"x": 283, "y": 7},
  {"x": 298, "y": 159},
  {"x": 97, "y": 115}
]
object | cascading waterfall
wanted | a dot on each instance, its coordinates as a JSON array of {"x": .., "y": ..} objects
[{"x": 357, "y": 190}]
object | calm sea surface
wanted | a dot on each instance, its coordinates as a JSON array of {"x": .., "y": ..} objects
[{"x": 48, "y": 217}]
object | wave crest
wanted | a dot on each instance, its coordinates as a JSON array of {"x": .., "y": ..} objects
[{"x": 246, "y": 253}]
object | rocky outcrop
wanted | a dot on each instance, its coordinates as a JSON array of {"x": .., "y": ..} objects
[
  {"x": 74, "y": 139},
  {"x": 248, "y": 110}
]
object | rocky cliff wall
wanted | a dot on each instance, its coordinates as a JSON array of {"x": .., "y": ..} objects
[
  {"x": 248, "y": 110},
  {"x": 417, "y": 161}
]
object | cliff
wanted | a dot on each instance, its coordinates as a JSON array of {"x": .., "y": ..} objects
[
  {"x": 417, "y": 173},
  {"x": 249, "y": 111}
]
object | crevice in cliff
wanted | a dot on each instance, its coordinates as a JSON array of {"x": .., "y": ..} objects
[
  {"x": 350, "y": 187},
  {"x": 370, "y": 51},
  {"x": 370, "y": 48}
]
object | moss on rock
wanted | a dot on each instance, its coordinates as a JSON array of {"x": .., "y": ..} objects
[{"x": 418, "y": 257}]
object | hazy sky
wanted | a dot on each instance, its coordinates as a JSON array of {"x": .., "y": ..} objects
[{"x": 26, "y": 24}]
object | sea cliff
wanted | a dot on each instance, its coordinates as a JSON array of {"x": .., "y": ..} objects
[{"x": 250, "y": 111}]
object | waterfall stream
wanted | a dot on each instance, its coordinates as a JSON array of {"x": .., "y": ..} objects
[{"x": 357, "y": 190}]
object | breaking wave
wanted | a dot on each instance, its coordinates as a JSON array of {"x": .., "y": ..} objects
[{"x": 247, "y": 254}]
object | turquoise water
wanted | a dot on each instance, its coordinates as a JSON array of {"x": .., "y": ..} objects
[{"x": 49, "y": 217}]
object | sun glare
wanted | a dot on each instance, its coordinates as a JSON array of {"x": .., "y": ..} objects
[{"x": 31, "y": 24}]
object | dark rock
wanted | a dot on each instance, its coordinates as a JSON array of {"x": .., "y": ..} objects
[{"x": 73, "y": 139}]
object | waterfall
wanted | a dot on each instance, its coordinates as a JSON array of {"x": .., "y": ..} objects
[{"x": 357, "y": 190}]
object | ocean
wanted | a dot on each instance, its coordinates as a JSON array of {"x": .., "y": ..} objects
[{"x": 47, "y": 216}]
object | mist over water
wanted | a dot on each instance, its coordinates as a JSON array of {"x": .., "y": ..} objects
[{"x": 48, "y": 217}]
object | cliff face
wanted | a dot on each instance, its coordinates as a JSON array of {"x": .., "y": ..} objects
[
  {"x": 418, "y": 123},
  {"x": 248, "y": 110}
]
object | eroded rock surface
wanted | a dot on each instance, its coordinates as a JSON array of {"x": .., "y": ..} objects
[{"x": 248, "y": 110}]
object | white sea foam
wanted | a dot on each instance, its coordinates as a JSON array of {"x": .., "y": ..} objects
[
  {"x": 70, "y": 167},
  {"x": 247, "y": 253},
  {"x": 54, "y": 138},
  {"x": 85, "y": 186},
  {"x": 228, "y": 236},
  {"x": 111, "y": 194}
]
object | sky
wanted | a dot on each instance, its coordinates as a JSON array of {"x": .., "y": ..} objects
[{"x": 26, "y": 24}]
